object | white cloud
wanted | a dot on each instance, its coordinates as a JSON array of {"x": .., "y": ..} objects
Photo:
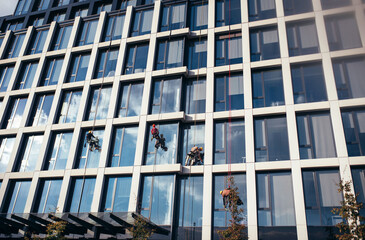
[{"x": 7, "y": 7}]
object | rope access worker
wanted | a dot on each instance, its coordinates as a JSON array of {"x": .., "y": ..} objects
[
  {"x": 226, "y": 194},
  {"x": 194, "y": 157},
  {"x": 92, "y": 141},
  {"x": 160, "y": 140}
]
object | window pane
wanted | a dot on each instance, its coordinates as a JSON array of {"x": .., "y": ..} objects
[
  {"x": 142, "y": 23},
  {"x": 137, "y": 59},
  {"x": 6, "y": 149},
  {"x": 41, "y": 113},
  {"x": 28, "y": 160},
  {"x": 228, "y": 12},
  {"x": 5, "y": 76},
  {"x": 38, "y": 41},
  {"x": 62, "y": 37},
  {"x": 193, "y": 135},
  {"x": 159, "y": 156},
  {"x": 199, "y": 16},
  {"x": 78, "y": 68},
  {"x": 228, "y": 49},
  {"x": 15, "y": 46},
  {"x": 15, "y": 113},
  {"x": 261, "y": 9},
  {"x": 354, "y": 128},
  {"x": 99, "y": 103},
  {"x": 197, "y": 55},
  {"x": 81, "y": 195},
  {"x": 52, "y": 73},
  {"x": 116, "y": 194},
  {"x": 107, "y": 62},
  {"x": 297, "y": 6},
  {"x": 59, "y": 151},
  {"x": 169, "y": 100},
  {"x": 229, "y": 93},
  {"x": 17, "y": 196},
  {"x": 48, "y": 196},
  {"x": 125, "y": 142},
  {"x": 89, "y": 158},
  {"x": 302, "y": 38},
  {"x": 87, "y": 33},
  {"x": 264, "y": 44},
  {"x": 28, "y": 71},
  {"x": 195, "y": 96},
  {"x": 131, "y": 99},
  {"x": 70, "y": 107}
]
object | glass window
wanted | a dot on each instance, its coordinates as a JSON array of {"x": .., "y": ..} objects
[
  {"x": 302, "y": 38},
  {"x": 89, "y": 158},
  {"x": 29, "y": 155},
  {"x": 228, "y": 49},
  {"x": 142, "y": 22},
  {"x": 78, "y": 68},
  {"x": 275, "y": 204},
  {"x": 80, "y": 12},
  {"x": 41, "y": 110},
  {"x": 229, "y": 92},
  {"x": 81, "y": 195},
  {"x": 59, "y": 16},
  {"x": 5, "y": 76},
  {"x": 124, "y": 146},
  {"x": 116, "y": 194},
  {"x": 70, "y": 107},
  {"x": 261, "y": 9},
  {"x": 173, "y": 17},
  {"x": 48, "y": 194},
  {"x": 267, "y": 88},
  {"x": 197, "y": 55},
  {"x": 6, "y": 148},
  {"x": 114, "y": 29},
  {"x": 37, "y": 21},
  {"x": 103, "y": 7},
  {"x": 1, "y": 41},
  {"x": 229, "y": 142},
  {"x": 327, "y": 4},
  {"x": 308, "y": 83},
  {"x": 228, "y": 12},
  {"x": 354, "y": 127},
  {"x": 15, "y": 46},
  {"x": 17, "y": 196},
  {"x": 170, "y": 54},
  {"x": 22, "y": 7},
  {"x": 199, "y": 16},
  {"x": 130, "y": 100},
  {"x": 297, "y": 6},
  {"x": 38, "y": 42},
  {"x": 166, "y": 96},
  {"x": 321, "y": 196},
  {"x": 349, "y": 75},
  {"x": 264, "y": 44},
  {"x": 190, "y": 213},
  {"x": 59, "y": 3},
  {"x": 125, "y": 3},
  {"x": 99, "y": 103},
  {"x": 59, "y": 149},
  {"x": 26, "y": 76},
  {"x": 221, "y": 217},
  {"x": 159, "y": 156},
  {"x": 271, "y": 139},
  {"x": 195, "y": 95},
  {"x": 315, "y": 136},
  {"x": 136, "y": 58},
  {"x": 158, "y": 194},
  {"x": 342, "y": 32},
  {"x": 192, "y": 135},
  {"x": 43, "y": 4},
  {"x": 107, "y": 61},
  {"x": 358, "y": 177},
  {"x": 61, "y": 38},
  {"x": 14, "y": 25},
  {"x": 15, "y": 113},
  {"x": 87, "y": 33},
  {"x": 52, "y": 72}
]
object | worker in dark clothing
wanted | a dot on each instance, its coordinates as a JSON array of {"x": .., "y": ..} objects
[
  {"x": 92, "y": 141},
  {"x": 155, "y": 133},
  {"x": 160, "y": 140},
  {"x": 194, "y": 157}
]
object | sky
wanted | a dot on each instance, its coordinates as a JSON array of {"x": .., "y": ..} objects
[{"x": 7, "y": 7}]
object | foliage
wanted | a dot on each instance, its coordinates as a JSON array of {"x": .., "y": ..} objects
[
  {"x": 351, "y": 227},
  {"x": 236, "y": 229},
  {"x": 54, "y": 231},
  {"x": 140, "y": 230}
]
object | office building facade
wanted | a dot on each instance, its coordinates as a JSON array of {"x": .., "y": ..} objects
[{"x": 273, "y": 90}]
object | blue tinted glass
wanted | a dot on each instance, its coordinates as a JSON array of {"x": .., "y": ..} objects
[
  {"x": 59, "y": 151},
  {"x": 125, "y": 142},
  {"x": 49, "y": 195},
  {"x": 264, "y": 44},
  {"x": 15, "y": 46},
  {"x": 131, "y": 99},
  {"x": 142, "y": 23},
  {"x": 197, "y": 57},
  {"x": 82, "y": 195},
  {"x": 195, "y": 96},
  {"x": 228, "y": 12},
  {"x": 6, "y": 148},
  {"x": 117, "y": 194},
  {"x": 137, "y": 59},
  {"x": 199, "y": 16},
  {"x": 173, "y": 17},
  {"x": 308, "y": 83},
  {"x": 89, "y": 157},
  {"x": 41, "y": 113},
  {"x": 18, "y": 196},
  {"x": 70, "y": 106},
  {"x": 169, "y": 100},
  {"x": 228, "y": 49},
  {"x": 5, "y": 76},
  {"x": 354, "y": 125},
  {"x": 297, "y": 6},
  {"x": 99, "y": 103},
  {"x": 193, "y": 135},
  {"x": 159, "y": 156},
  {"x": 229, "y": 93},
  {"x": 28, "y": 161},
  {"x": 106, "y": 63},
  {"x": 302, "y": 38},
  {"x": 26, "y": 79},
  {"x": 16, "y": 113},
  {"x": 261, "y": 9}
]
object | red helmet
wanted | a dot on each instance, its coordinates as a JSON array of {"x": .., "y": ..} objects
[{"x": 153, "y": 125}]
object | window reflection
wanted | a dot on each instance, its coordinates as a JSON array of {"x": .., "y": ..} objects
[
  {"x": 17, "y": 196},
  {"x": 41, "y": 110},
  {"x": 15, "y": 113},
  {"x": 130, "y": 100},
  {"x": 5, "y": 76},
  {"x": 107, "y": 61},
  {"x": 6, "y": 148},
  {"x": 59, "y": 149},
  {"x": 116, "y": 194},
  {"x": 78, "y": 68},
  {"x": 125, "y": 142},
  {"x": 52, "y": 72},
  {"x": 30, "y": 153},
  {"x": 173, "y": 17},
  {"x": 81, "y": 195},
  {"x": 195, "y": 95},
  {"x": 354, "y": 127},
  {"x": 136, "y": 58},
  {"x": 192, "y": 135},
  {"x": 264, "y": 44},
  {"x": 261, "y": 9},
  {"x": 166, "y": 96},
  {"x": 229, "y": 142},
  {"x": 99, "y": 103},
  {"x": 228, "y": 12},
  {"x": 48, "y": 194},
  {"x": 159, "y": 156},
  {"x": 86, "y": 157},
  {"x": 70, "y": 106},
  {"x": 228, "y": 49},
  {"x": 229, "y": 93}
]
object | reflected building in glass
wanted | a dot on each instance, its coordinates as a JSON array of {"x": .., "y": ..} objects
[{"x": 273, "y": 90}]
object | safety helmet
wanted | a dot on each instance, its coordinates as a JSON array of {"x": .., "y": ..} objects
[
  {"x": 90, "y": 131},
  {"x": 153, "y": 125},
  {"x": 221, "y": 192},
  {"x": 201, "y": 149}
]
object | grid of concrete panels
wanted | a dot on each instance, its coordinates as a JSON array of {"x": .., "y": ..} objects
[{"x": 295, "y": 165}]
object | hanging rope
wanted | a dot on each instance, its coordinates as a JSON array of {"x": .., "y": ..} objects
[{"x": 229, "y": 98}]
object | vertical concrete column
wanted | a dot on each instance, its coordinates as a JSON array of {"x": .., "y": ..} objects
[
  {"x": 75, "y": 29},
  {"x": 83, "y": 102},
  {"x": 337, "y": 126},
  {"x": 208, "y": 141},
  {"x": 5, "y": 43},
  {"x": 321, "y": 31},
  {"x": 98, "y": 190},
  {"x": 16, "y": 150},
  {"x": 244, "y": 12},
  {"x": 44, "y": 147},
  {"x": 249, "y": 136},
  {"x": 62, "y": 199},
  {"x": 156, "y": 16},
  {"x": 127, "y": 22},
  {"x": 247, "y": 85},
  {"x": 287, "y": 82},
  {"x": 26, "y": 41},
  {"x": 49, "y": 38},
  {"x": 329, "y": 77},
  {"x": 251, "y": 202},
  {"x": 32, "y": 192},
  {"x": 360, "y": 18},
  {"x": 299, "y": 205},
  {"x": 135, "y": 189},
  {"x": 207, "y": 206},
  {"x": 100, "y": 27},
  {"x": 279, "y": 8},
  {"x": 209, "y": 101},
  {"x": 211, "y": 13},
  {"x": 138, "y": 158},
  {"x": 73, "y": 147},
  {"x": 283, "y": 43}
]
